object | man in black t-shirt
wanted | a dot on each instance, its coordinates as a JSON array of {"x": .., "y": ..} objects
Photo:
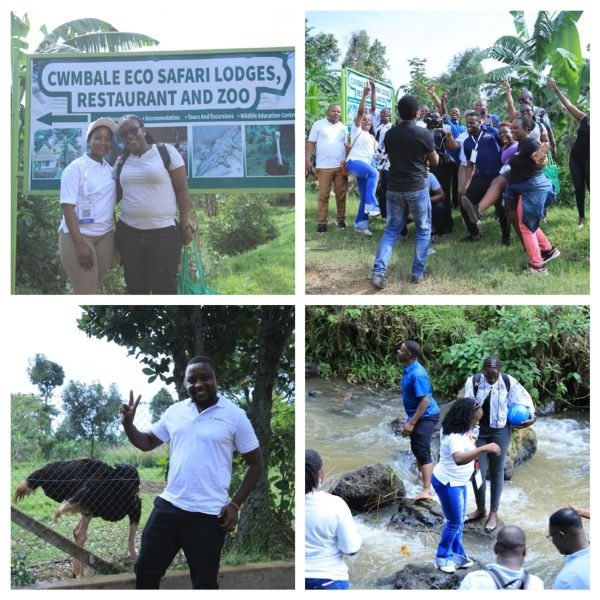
[{"x": 408, "y": 147}]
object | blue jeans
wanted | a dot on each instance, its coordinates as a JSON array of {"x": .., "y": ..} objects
[
  {"x": 399, "y": 204},
  {"x": 537, "y": 193},
  {"x": 454, "y": 505},
  {"x": 325, "y": 584},
  {"x": 366, "y": 179}
]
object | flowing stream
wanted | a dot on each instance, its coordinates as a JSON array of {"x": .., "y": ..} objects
[{"x": 349, "y": 426}]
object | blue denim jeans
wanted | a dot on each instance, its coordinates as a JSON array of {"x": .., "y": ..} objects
[
  {"x": 325, "y": 584},
  {"x": 366, "y": 179},
  {"x": 454, "y": 505},
  {"x": 537, "y": 193},
  {"x": 399, "y": 205}
]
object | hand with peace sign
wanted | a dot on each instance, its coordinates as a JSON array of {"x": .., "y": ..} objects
[{"x": 127, "y": 411}]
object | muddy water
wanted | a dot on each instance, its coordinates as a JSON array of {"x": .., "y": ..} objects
[{"x": 348, "y": 426}]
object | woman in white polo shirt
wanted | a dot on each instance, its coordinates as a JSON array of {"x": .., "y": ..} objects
[
  {"x": 450, "y": 477},
  {"x": 153, "y": 188},
  {"x": 329, "y": 532},
  {"x": 87, "y": 196}
]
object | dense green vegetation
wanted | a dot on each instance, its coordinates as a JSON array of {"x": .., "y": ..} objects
[{"x": 547, "y": 348}]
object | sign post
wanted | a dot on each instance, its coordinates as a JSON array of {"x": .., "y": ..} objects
[
  {"x": 353, "y": 84},
  {"x": 230, "y": 113}
]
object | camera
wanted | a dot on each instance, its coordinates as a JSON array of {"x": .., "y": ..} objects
[{"x": 433, "y": 121}]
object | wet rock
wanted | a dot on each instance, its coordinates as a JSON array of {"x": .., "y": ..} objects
[
  {"x": 310, "y": 370},
  {"x": 369, "y": 487},
  {"x": 418, "y": 515},
  {"x": 522, "y": 447},
  {"x": 477, "y": 528},
  {"x": 426, "y": 576}
]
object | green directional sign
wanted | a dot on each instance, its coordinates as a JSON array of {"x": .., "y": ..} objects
[{"x": 229, "y": 113}]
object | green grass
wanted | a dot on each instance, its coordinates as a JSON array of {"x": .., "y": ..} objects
[
  {"x": 267, "y": 269},
  {"x": 340, "y": 261}
]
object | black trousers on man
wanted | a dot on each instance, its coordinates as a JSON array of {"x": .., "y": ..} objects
[{"x": 170, "y": 529}]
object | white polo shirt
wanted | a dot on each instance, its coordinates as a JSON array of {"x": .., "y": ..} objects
[
  {"x": 149, "y": 200},
  {"x": 200, "y": 457},
  {"x": 330, "y": 139},
  {"x": 88, "y": 184}
]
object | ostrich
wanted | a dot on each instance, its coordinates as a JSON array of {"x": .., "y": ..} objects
[
  {"x": 276, "y": 164},
  {"x": 92, "y": 488}
]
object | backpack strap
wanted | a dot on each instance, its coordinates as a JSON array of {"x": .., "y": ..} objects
[
  {"x": 501, "y": 584},
  {"x": 164, "y": 154},
  {"x": 476, "y": 380},
  {"x": 506, "y": 380}
]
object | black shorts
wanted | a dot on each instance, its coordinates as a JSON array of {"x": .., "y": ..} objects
[{"x": 420, "y": 438}]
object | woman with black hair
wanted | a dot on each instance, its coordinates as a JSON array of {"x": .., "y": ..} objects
[
  {"x": 152, "y": 181},
  {"x": 450, "y": 477},
  {"x": 329, "y": 532},
  {"x": 495, "y": 392}
]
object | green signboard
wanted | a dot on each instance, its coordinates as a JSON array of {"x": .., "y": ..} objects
[
  {"x": 230, "y": 113},
  {"x": 353, "y": 84}
]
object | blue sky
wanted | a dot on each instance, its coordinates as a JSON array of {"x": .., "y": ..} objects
[{"x": 434, "y": 35}]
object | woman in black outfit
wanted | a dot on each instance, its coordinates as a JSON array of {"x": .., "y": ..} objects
[{"x": 579, "y": 161}]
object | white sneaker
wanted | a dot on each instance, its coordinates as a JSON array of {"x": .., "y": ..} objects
[
  {"x": 445, "y": 565},
  {"x": 366, "y": 232},
  {"x": 372, "y": 212}
]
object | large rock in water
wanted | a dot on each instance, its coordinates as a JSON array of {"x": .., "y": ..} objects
[
  {"x": 369, "y": 487},
  {"x": 426, "y": 576},
  {"x": 522, "y": 447},
  {"x": 418, "y": 515}
]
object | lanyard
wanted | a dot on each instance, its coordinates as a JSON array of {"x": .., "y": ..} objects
[{"x": 477, "y": 142}]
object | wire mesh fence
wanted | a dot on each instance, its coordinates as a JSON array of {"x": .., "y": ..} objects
[{"x": 56, "y": 481}]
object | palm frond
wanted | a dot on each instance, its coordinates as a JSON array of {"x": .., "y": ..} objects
[
  {"x": 72, "y": 29},
  {"x": 111, "y": 41},
  {"x": 510, "y": 50},
  {"x": 520, "y": 24}
]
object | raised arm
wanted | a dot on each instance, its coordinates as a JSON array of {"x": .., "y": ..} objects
[
  {"x": 361, "y": 107},
  {"x": 373, "y": 96},
  {"x": 512, "y": 111},
  {"x": 575, "y": 112},
  {"x": 145, "y": 441},
  {"x": 435, "y": 98}
]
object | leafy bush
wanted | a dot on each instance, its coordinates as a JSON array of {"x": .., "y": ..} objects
[
  {"x": 244, "y": 222},
  {"x": 545, "y": 347},
  {"x": 20, "y": 574}
]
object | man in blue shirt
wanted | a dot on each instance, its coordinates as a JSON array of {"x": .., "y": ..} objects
[
  {"x": 566, "y": 532},
  {"x": 421, "y": 409},
  {"x": 483, "y": 154}
]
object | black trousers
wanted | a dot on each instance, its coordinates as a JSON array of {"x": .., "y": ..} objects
[
  {"x": 580, "y": 174},
  {"x": 477, "y": 189},
  {"x": 170, "y": 529},
  {"x": 150, "y": 258}
]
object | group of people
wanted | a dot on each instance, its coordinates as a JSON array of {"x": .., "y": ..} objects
[
  {"x": 430, "y": 162},
  {"x": 475, "y": 436},
  {"x": 150, "y": 182}
]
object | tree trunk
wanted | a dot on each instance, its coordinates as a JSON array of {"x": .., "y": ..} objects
[{"x": 277, "y": 323}]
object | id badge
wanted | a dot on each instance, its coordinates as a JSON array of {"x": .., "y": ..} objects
[
  {"x": 85, "y": 212},
  {"x": 473, "y": 158},
  {"x": 478, "y": 478}
]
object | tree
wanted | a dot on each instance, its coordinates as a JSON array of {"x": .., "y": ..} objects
[
  {"x": 159, "y": 403},
  {"x": 417, "y": 86},
  {"x": 252, "y": 348},
  {"x": 36, "y": 265},
  {"x": 322, "y": 81},
  {"x": 91, "y": 413},
  {"x": 366, "y": 57},
  {"x": 47, "y": 375},
  {"x": 31, "y": 427}
]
